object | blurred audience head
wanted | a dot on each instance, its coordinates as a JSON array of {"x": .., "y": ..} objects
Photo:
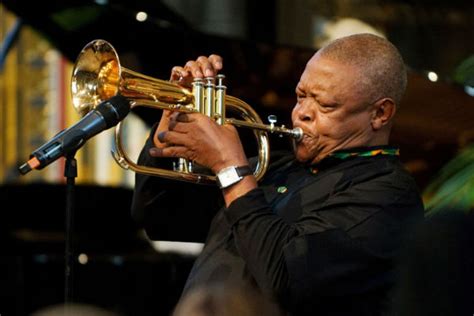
[
  {"x": 73, "y": 309},
  {"x": 225, "y": 300}
]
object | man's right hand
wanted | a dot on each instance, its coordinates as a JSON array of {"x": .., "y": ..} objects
[
  {"x": 183, "y": 75},
  {"x": 200, "y": 68}
]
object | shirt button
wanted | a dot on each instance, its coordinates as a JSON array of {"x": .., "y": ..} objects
[{"x": 282, "y": 189}]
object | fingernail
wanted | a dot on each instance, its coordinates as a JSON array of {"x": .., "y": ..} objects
[
  {"x": 209, "y": 73},
  {"x": 198, "y": 73},
  {"x": 161, "y": 136},
  {"x": 155, "y": 152},
  {"x": 218, "y": 64}
]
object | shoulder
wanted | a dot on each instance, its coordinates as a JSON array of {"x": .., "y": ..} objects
[
  {"x": 381, "y": 181},
  {"x": 379, "y": 170}
]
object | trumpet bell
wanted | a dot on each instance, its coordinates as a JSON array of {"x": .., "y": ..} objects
[{"x": 96, "y": 76}]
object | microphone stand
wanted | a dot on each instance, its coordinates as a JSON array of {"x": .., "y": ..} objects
[{"x": 70, "y": 172}]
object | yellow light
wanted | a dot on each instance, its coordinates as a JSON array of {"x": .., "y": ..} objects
[
  {"x": 141, "y": 16},
  {"x": 83, "y": 258},
  {"x": 433, "y": 76}
]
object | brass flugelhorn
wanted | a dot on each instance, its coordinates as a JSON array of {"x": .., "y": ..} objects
[{"x": 97, "y": 76}]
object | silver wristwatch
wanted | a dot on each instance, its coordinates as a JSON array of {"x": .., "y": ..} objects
[{"x": 231, "y": 175}]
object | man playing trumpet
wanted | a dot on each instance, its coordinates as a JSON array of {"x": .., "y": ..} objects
[{"x": 320, "y": 233}]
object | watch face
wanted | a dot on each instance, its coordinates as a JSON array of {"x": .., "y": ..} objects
[{"x": 228, "y": 176}]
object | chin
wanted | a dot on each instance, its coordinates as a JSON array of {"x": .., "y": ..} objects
[{"x": 302, "y": 155}]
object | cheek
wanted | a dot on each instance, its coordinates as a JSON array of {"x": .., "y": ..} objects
[
  {"x": 324, "y": 126},
  {"x": 334, "y": 126},
  {"x": 293, "y": 114}
]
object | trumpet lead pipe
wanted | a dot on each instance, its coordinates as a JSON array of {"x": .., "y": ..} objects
[{"x": 296, "y": 133}]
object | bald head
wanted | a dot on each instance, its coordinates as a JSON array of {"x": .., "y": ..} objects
[{"x": 382, "y": 72}]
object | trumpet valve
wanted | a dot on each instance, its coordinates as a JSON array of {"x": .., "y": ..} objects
[
  {"x": 272, "y": 119},
  {"x": 182, "y": 165}
]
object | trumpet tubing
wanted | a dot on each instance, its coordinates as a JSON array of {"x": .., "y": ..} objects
[{"x": 98, "y": 76}]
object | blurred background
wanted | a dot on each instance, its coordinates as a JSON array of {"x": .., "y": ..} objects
[{"x": 265, "y": 45}]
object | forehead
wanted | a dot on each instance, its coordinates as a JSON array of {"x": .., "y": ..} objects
[
  {"x": 325, "y": 75},
  {"x": 320, "y": 69}
]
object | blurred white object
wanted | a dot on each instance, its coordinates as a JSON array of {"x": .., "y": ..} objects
[
  {"x": 344, "y": 27},
  {"x": 185, "y": 248}
]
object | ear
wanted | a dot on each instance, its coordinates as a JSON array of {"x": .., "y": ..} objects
[{"x": 383, "y": 112}]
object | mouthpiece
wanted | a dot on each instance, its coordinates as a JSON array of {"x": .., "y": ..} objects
[{"x": 297, "y": 133}]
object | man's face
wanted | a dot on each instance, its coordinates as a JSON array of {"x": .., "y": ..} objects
[{"x": 331, "y": 109}]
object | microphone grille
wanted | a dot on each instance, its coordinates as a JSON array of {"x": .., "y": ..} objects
[{"x": 114, "y": 110}]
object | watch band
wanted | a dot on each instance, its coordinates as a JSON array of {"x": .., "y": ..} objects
[
  {"x": 231, "y": 175},
  {"x": 243, "y": 171}
]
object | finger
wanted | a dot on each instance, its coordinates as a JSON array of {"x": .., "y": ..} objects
[
  {"x": 195, "y": 68},
  {"x": 172, "y": 138},
  {"x": 177, "y": 72},
  {"x": 189, "y": 122},
  {"x": 155, "y": 152},
  {"x": 181, "y": 76},
  {"x": 175, "y": 120},
  {"x": 181, "y": 122},
  {"x": 177, "y": 126},
  {"x": 167, "y": 114},
  {"x": 206, "y": 66},
  {"x": 184, "y": 117},
  {"x": 174, "y": 115},
  {"x": 216, "y": 61},
  {"x": 175, "y": 151}
]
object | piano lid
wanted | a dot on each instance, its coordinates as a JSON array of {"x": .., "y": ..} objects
[{"x": 35, "y": 214}]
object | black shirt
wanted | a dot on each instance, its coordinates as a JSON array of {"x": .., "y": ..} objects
[{"x": 320, "y": 239}]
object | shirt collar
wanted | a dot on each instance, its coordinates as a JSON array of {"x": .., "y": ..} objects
[
  {"x": 366, "y": 152},
  {"x": 347, "y": 153}
]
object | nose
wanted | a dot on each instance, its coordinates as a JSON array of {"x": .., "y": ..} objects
[{"x": 303, "y": 113}]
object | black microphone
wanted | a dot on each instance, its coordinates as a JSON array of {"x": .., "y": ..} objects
[{"x": 107, "y": 114}]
